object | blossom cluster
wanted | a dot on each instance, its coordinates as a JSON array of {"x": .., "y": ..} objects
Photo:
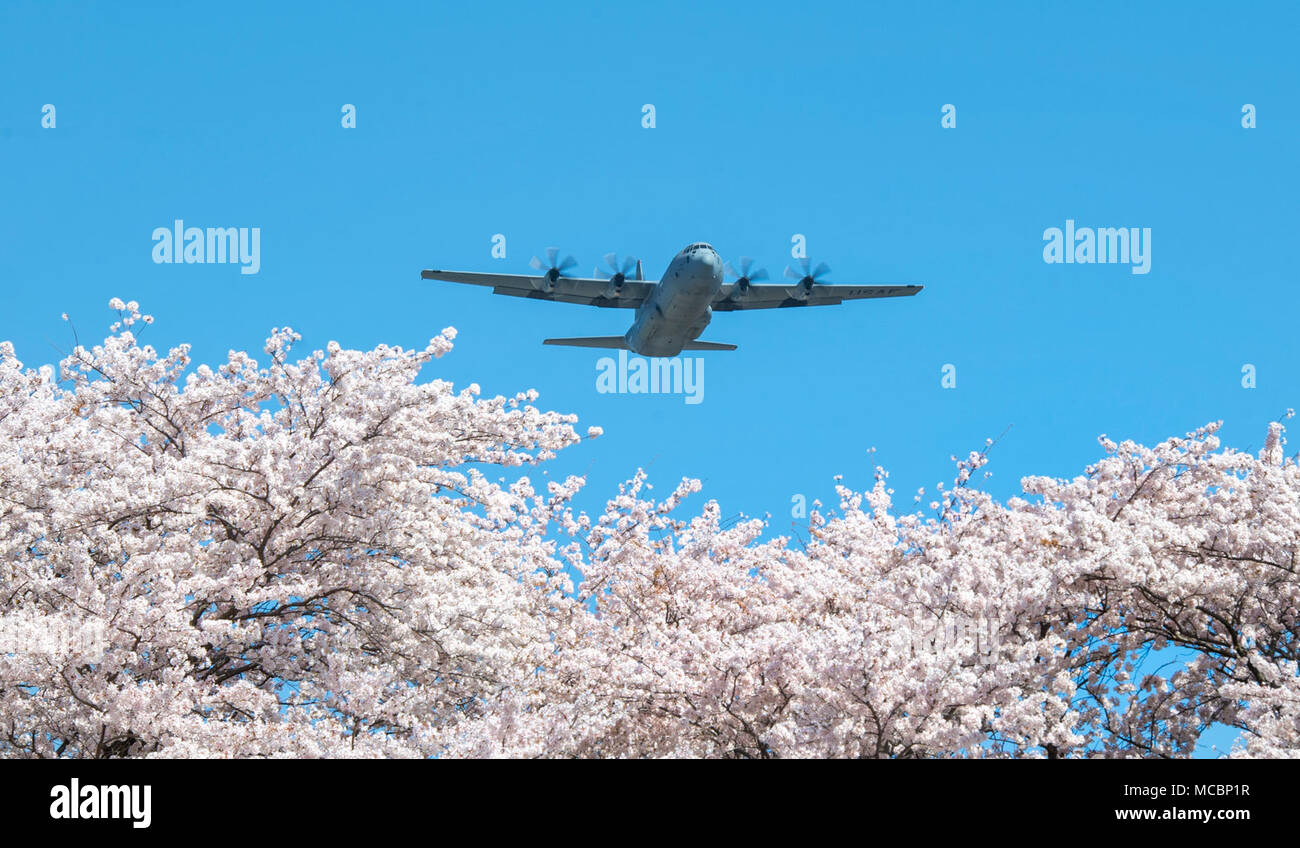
[{"x": 308, "y": 558}]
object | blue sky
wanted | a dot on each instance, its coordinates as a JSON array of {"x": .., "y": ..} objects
[{"x": 771, "y": 120}]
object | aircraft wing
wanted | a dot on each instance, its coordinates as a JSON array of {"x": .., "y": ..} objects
[
  {"x": 778, "y": 296},
  {"x": 586, "y": 291}
]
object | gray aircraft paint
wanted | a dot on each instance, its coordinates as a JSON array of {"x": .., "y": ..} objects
[
  {"x": 671, "y": 313},
  {"x": 678, "y": 310}
]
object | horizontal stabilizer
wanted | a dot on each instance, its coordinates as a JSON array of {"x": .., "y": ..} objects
[
  {"x": 708, "y": 346},
  {"x": 611, "y": 342}
]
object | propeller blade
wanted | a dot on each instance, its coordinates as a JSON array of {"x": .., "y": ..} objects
[
  {"x": 549, "y": 268},
  {"x": 792, "y": 274},
  {"x": 822, "y": 268},
  {"x": 760, "y": 274}
]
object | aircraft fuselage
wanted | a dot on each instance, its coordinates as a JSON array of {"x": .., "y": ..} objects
[{"x": 678, "y": 310}]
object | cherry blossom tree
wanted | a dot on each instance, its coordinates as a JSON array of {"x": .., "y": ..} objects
[
  {"x": 307, "y": 558},
  {"x": 983, "y": 630},
  {"x": 292, "y": 557}
]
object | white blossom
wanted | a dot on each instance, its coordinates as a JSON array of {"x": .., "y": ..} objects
[{"x": 307, "y": 558}]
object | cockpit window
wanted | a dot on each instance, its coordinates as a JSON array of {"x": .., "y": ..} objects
[{"x": 699, "y": 245}]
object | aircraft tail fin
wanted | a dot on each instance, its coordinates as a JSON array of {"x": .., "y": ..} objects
[{"x": 611, "y": 342}]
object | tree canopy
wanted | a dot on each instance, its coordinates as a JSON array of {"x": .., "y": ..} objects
[{"x": 303, "y": 557}]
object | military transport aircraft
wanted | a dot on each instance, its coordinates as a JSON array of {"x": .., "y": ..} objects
[{"x": 671, "y": 313}]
